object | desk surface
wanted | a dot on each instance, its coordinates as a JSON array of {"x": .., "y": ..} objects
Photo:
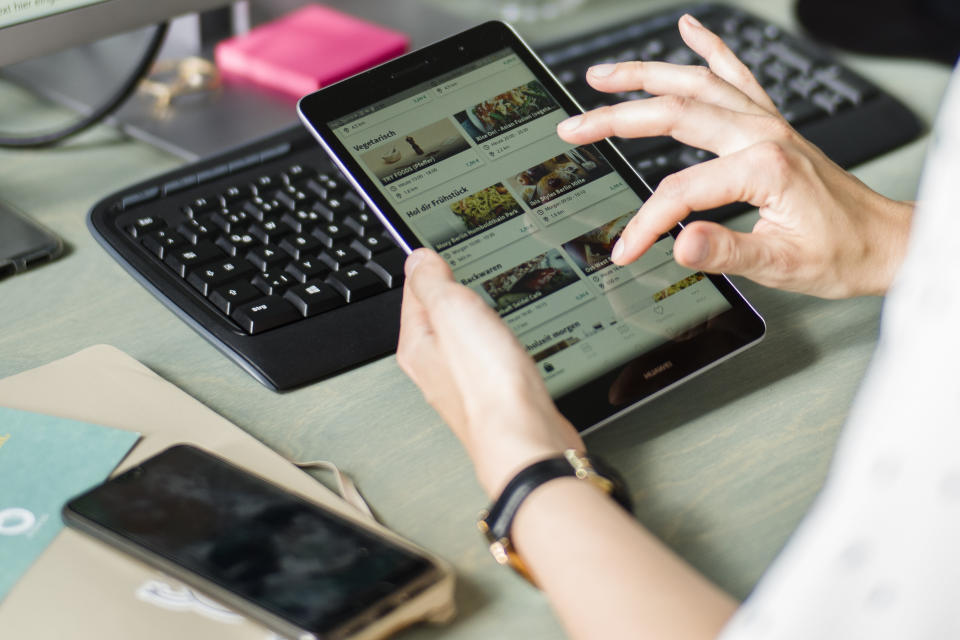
[{"x": 722, "y": 469}]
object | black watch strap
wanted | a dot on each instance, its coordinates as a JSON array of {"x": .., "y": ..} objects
[
  {"x": 497, "y": 521},
  {"x": 501, "y": 513}
]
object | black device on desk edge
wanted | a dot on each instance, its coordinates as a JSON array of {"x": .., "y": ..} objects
[
  {"x": 454, "y": 146},
  {"x": 299, "y": 569},
  {"x": 23, "y": 242},
  {"x": 293, "y": 344}
]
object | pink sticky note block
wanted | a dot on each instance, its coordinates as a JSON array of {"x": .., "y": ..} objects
[{"x": 310, "y": 48}]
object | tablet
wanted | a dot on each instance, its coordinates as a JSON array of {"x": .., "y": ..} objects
[{"x": 454, "y": 147}]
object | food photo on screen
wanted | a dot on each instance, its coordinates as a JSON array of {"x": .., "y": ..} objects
[
  {"x": 406, "y": 153},
  {"x": 559, "y": 175},
  {"x": 591, "y": 251},
  {"x": 529, "y": 281},
  {"x": 480, "y": 211},
  {"x": 506, "y": 111}
]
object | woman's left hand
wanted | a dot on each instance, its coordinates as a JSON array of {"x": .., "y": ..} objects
[{"x": 475, "y": 373}]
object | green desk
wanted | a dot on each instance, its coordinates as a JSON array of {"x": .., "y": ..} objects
[{"x": 722, "y": 469}]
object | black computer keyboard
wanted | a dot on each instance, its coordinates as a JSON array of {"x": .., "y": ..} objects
[{"x": 267, "y": 253}]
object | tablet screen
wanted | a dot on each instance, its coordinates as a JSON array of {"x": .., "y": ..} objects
[{"x": 472, "y": 163}]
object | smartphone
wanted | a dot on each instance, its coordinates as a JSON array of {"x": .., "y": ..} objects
[
  {"x": 455, "y": 148},
  {"x": 24, "y": 243},
  {"x": 299, "y": 569}
]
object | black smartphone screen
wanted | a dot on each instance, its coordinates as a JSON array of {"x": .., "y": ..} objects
[{"x": 288, "y": 556}]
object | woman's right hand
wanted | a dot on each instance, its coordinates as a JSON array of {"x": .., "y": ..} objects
[{"x": 821, "y": 231}]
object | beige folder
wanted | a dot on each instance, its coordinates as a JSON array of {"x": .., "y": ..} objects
[{"x": 82, "y": 589}]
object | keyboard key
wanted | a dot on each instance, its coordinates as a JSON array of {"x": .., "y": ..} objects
[
  {"x": 354, "y": 199},
  {"x": 754, "y": 56},
  {"x": 273, "y": 282},
  {"x": 229, "y": 220},
  {"x": 295, "y": 172},
  {"x": 301, "y": 220},
  {"x": 179, "y": 184},
  {"x": 264, "y": 314},
  {"x": 266, "y": 182},
  {"x": 339, "y": 256},
  {"x": 333, "y": 209},
  {"x": 269, "y": 230},
  {"x": 185, "y": 259},
  {"x": 360, "y": 221},
  {"x": 236, "y": 244},
  {"x": 140, "y": 196},
  {"x": 313, "y": 297},
  {"x": 144, "y": 225},
  {"x": 331, "y": 234},
  {"x": 828, "y": 101},
  {"x": 194, "y": 231},
  {"x": 791, "y": 57},
  {"x": 307, "y": 269},
  {"x": 159, "y": 241},
  {"x": 217, "y": 171},
  {"x": 266, "y": 257},
  {"x": 208, "y": 277},
  {"x": 203, "y": 205},
  {"x": 228, "y": 297},
  {"x": 275, "y": 151},
  {"x": 804, "y": 85},
  {"x": 244, "y": 162},
  {"x": 300, "y": 246},
  {"x": 367, "y": 246},
  {"x": 334, "y": 185},
  {"x": 389, "y": 266},
  {"x": 844, "y": 84},
  {"x": 753, "y": 34},
  {"x": 260, "y": 208},
  {"x": 778, "y": 71},
  {"x": 232, "y": 194},
  {"x": 356, "y": 283},
  {"x": 290, "y": 199},
  {"x": 316, "y": 187}
]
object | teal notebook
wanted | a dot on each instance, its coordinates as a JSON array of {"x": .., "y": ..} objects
[{"x": 45, "y": 461}]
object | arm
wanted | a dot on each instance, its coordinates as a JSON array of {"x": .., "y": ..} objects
[
  {"x": 604, "y": 574},
  {"x": 821, "y": 231}
]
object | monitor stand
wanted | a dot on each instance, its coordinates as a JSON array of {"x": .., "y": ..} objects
[{"x": 199, "y": 126}]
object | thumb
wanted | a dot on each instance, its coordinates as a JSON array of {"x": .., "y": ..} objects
[{"x": 708, "y": 246}]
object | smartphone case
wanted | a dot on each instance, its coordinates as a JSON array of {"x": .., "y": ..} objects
[{"x": 82, "y": 589}]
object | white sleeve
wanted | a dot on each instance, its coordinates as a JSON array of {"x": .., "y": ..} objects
[{"x": 877, "y": 557}]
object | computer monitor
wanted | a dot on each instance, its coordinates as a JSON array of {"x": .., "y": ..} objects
[
  {"x": 30, "y": 29},
  {"x": 80, "y": 77}
]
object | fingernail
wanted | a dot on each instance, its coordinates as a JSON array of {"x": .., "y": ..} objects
[
  {"x": 413, "y": 260},
  {"x": 618, "y": 250},
  {"x": 693, "y": 22},
  {"x": 699, "y": 250},
  {"x": 570, "y": 123},
  {"x": 601, "y": 70}
]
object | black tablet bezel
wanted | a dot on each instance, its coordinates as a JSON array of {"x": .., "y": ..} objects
[{"x": 603, "y": 398}]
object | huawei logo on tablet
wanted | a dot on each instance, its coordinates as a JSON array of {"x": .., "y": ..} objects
[{"x": 657, "y": 370}]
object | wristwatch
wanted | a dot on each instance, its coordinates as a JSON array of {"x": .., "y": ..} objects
[{"x": 496, "y": 521}]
